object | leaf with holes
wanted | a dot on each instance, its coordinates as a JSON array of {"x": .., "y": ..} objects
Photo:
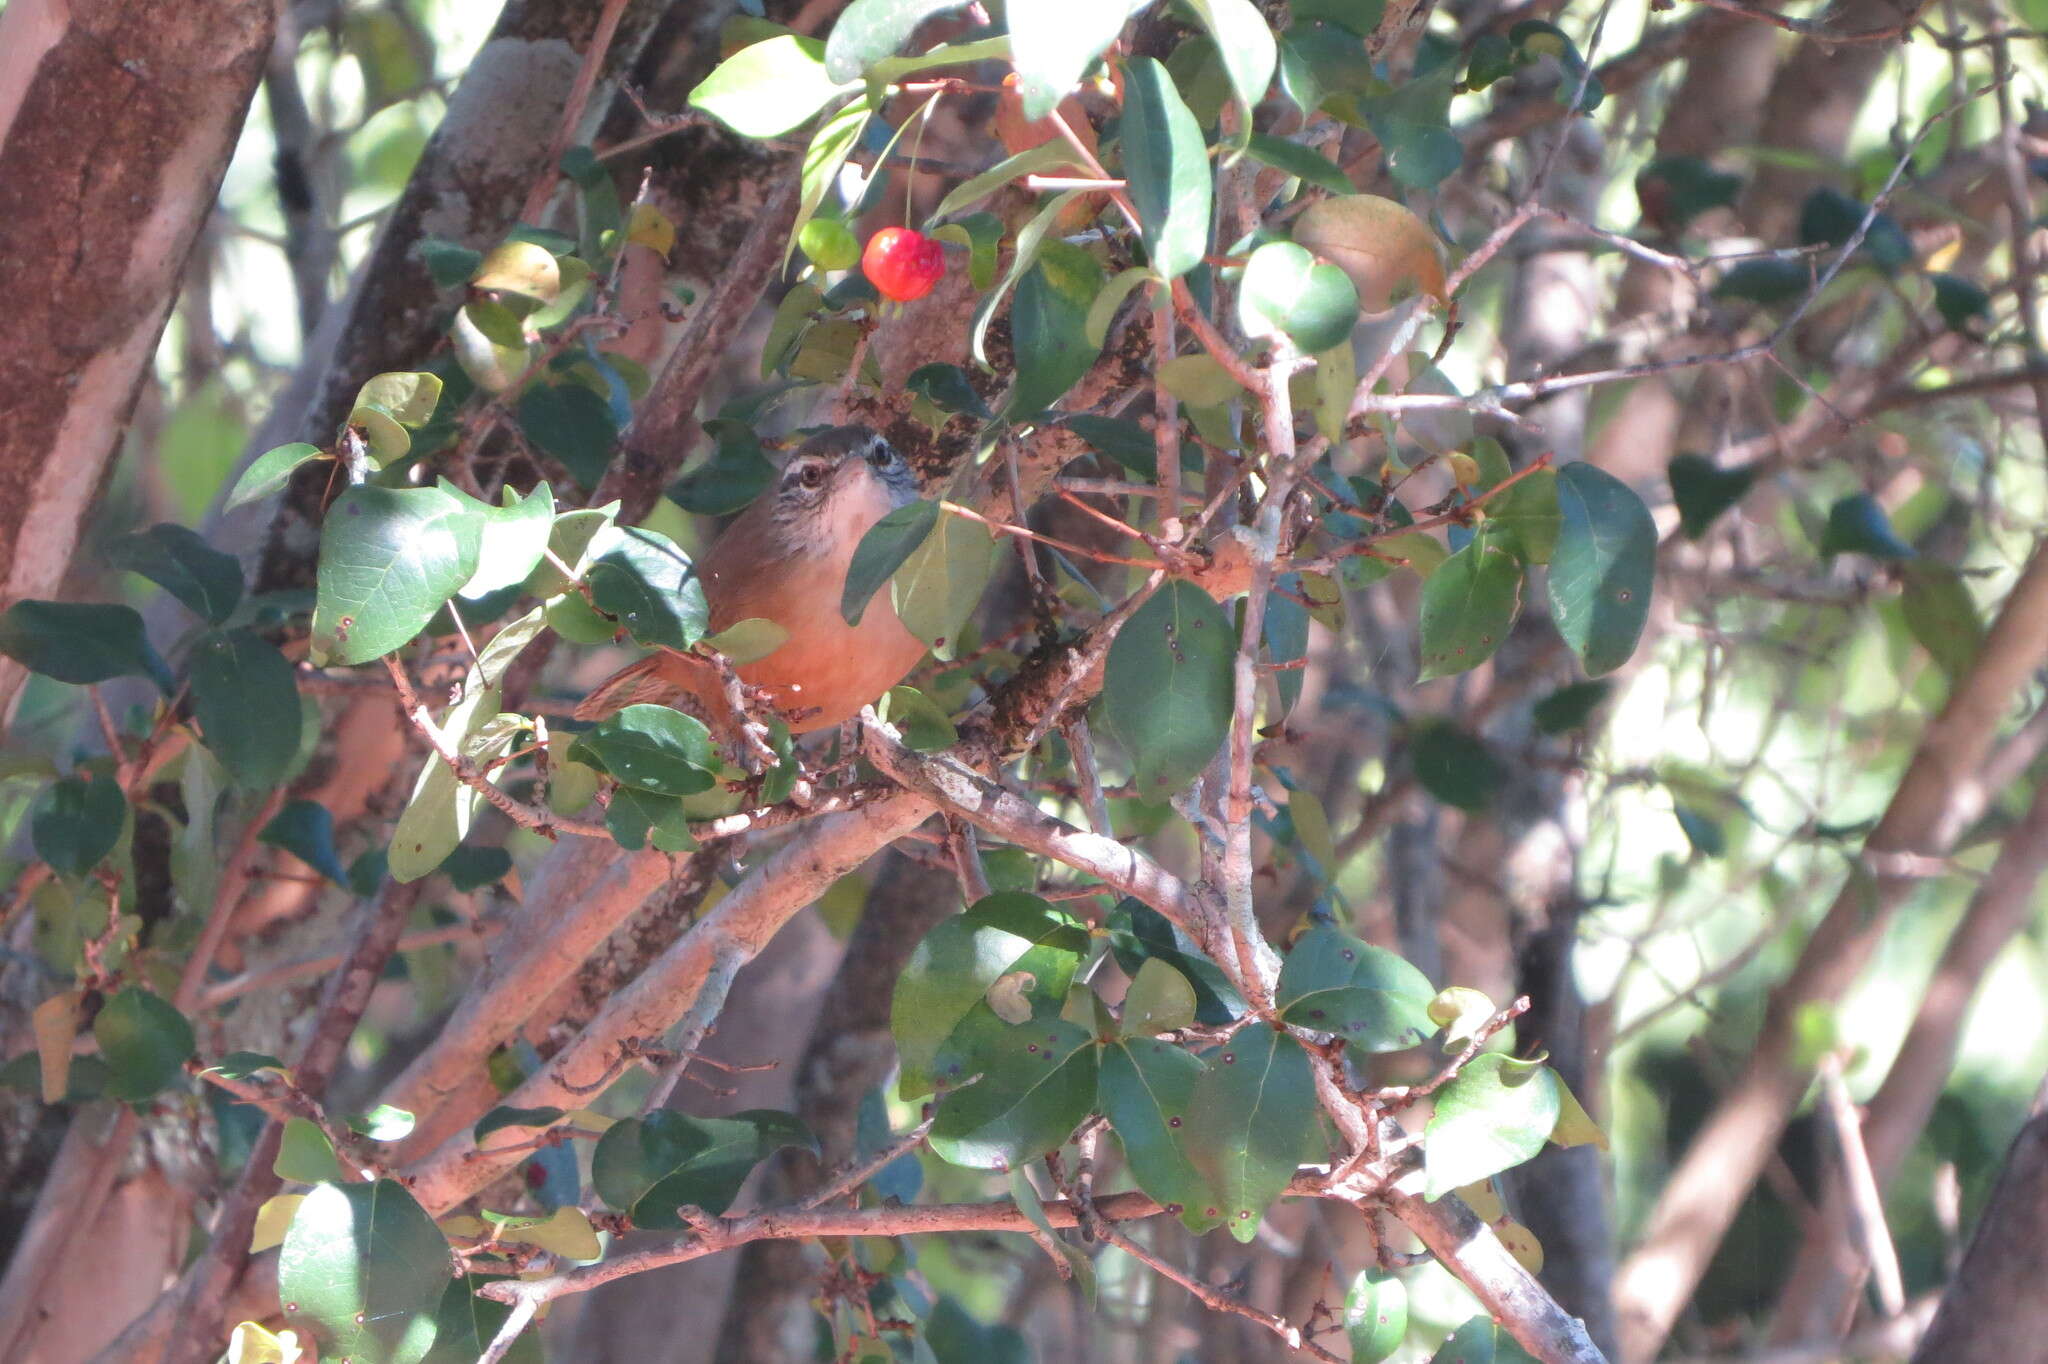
[
  {"x": 1249, "y": 1123},
  {"x": 363, "y": 1268},
  {"x": 1146, "y": 1090},
  {"x": 1603, "y": 567},
  {"x": 940, "y": 1011},
  {"x": 1167, "y": 687},
  {"x": 1368, "y": 997}
]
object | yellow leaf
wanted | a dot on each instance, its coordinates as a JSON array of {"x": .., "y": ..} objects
[
  {"x": 1521, "y": 1243},
  {"x": 520, "y": 268},
  {"x": 250, "y": 1343},
  {"x": 568, "y": 1234},
  {"x": 1575, "y": 1126},
  {"x": 651, "y": 228},
  {"x": 1482, "y": 1199},
  {"x": 55, "y": 1024},
  {"x": 273, "y": 1219},
  {"x": 1389, "y": 253}
]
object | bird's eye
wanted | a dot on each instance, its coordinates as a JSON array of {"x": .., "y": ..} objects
[
  {"x": 882, "y": 455},
  {"x": 812, "y": 475}
]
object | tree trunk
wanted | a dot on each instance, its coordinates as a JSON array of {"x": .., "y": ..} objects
[
  {"x": 1995, "y": 1312},
  {"x": 116, "y": 124}
]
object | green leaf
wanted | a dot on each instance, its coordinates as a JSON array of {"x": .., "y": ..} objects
[
  {"x": 1286, "y": 291},
  {"x": 1030, "y": 240},
  {"x": 644, "y": 580},
  {"x": 77, "y": 822},
  {"x": 144, "y": 1041},
  {"x": 473, "y": 868},
  {"x": 1858, "y": 525},
  {"x": 941, "y": 580},
  {"x": 465, "y": 1325},
  {"x": 183, "y": 565},
  {"x": 1038, "y": 1082},
  {"x": 826, "y": 155},
  {"x": 1147, "y": 1090},
  {"x": 1481, "y": 1340},
  {"x": 870, "y": 30},
  {"x": 503, "y": 1117},
  {"x": 449, "y": 263},
  {"x": 1468, "y": 605},
  {"x": 78, "y": 642},
  {"x": 940, "y": 1010},
  {"x": 389, "y": 559},
  {"x": 1570, "y": 707},
  {"x": 652, "y": 748},
  {"x": 513, "y": 538},
  {"x": 363, "y": 1269},
  {"x": 651, "y": 1166},
  {"x": 409, "y": 398},
  {"x": 1049, "y": 327},
  {"x": 1167, "y": 168},
  {"x": 1703, "y": 490},
  {"x": 246, "y": 700},
  {"x": 768, "y": 88},
  {"x": 1962, "y": 303},
  {"x": 1453, "y": 766},
  {"x": 305, "y": 829},
  {"x": 1942, "y": 615},
  {"x": 1168, "y": 689},
  {"x": 637, "y": 818},
  {"x": 1159, "y": 1000},
  {"x": 1045, "y": 157},
  {"x": 1830, "y": 217},
  {"x": 881, "y": 551},
  {"x": 1603, "y": 567},
  {"x": 1370, "y": 998},
  {"x": 1138, "y": 933},
  {"x": 948, "y": 387},
  {"x": 572, "y": 424},
  {"x": 305, "y": 1155},
  {"x": 1412, "y": 123},
  {"x": 748, "y": 641},
  {"x": 1526, "y": 518},
  {"x": 1102, "y": 312},
  {"x": 1375, "y": 1315},
  {"x": 922, "y": 720},
  {"x": 1496, "y": 1114},
  {"x": 1359, "y": 16},
  {"x": 1249, "y": 1121},
  {"x": 1304, "y": 163},
  {"x": 1766, "y": 281},
  {"x": 981, "y": 233},
  {"x": 246, "y": 1065},
  {"x": 1199, "y": 380},
  {"x": 1247, "y": 46},
  {"x": 1673, "y": 190},
  {"x": 1119, "y": 438},
  {"x": 737, "y": 472},
  {"x": 269, "y": 472},
  {"x": 382, "y": 1123},
  {"x": 1052, "y": 43},
  {"x": 442, "y": 807}
]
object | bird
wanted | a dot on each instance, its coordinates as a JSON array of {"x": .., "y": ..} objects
[{"x": 785, "y": 559}]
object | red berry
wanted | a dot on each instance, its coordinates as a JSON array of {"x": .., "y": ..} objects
[{"x": 902, "y": 263}]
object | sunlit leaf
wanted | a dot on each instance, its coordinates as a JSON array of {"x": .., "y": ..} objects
[{"x": 363, "y": 1269}]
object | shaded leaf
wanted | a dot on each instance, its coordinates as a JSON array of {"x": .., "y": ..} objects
[
  {"x": 79, "y": 643},
  {"x": 1942, "y": 616},
  {"x": 737, "y": 472},
  {"x": 644, "y": 580},
  {"x": 465, "y": 1325},
  {"x": 1481, "y": 1340},
  {"x": 1570, "y": 707},
  {"x": 1368, "y": 997},
  {"x": 1246, "y": 44},
  {"x": 1249, "y": 1121},
  {"x": 1138, "y": 933},
  {"x": 1389, "y": 253},
  {"x": 1159, "y": 1000},
  {"x": 1049, "y": 327},
  {"x": 1858, "y": 525},
  {"x": 1468, "y": 605},
  {"x": 1037, "y": 1084},
  {"x": 246, "y": 700},
  {"x": 305, "y": 829},
  {"x": 145, "y": 1042},
  {"x": 1453, "y": 766},
  {"x": 1603, "y": 567},
  {"x": 1167, "y": 687},
  {"x": 77, "y": 822},
  {"x": 940, "y": 582},
  {"x": 1302, "y": 162},
  {"x": 573, "y": 425},
  {"x": 1703, "y": 490},
  {"x": 183, "y": 565}
]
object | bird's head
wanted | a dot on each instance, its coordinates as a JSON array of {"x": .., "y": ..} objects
[{"x": 838, "y": 483}]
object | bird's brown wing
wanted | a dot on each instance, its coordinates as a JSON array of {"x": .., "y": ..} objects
[{"x": 663, "y": 678}]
